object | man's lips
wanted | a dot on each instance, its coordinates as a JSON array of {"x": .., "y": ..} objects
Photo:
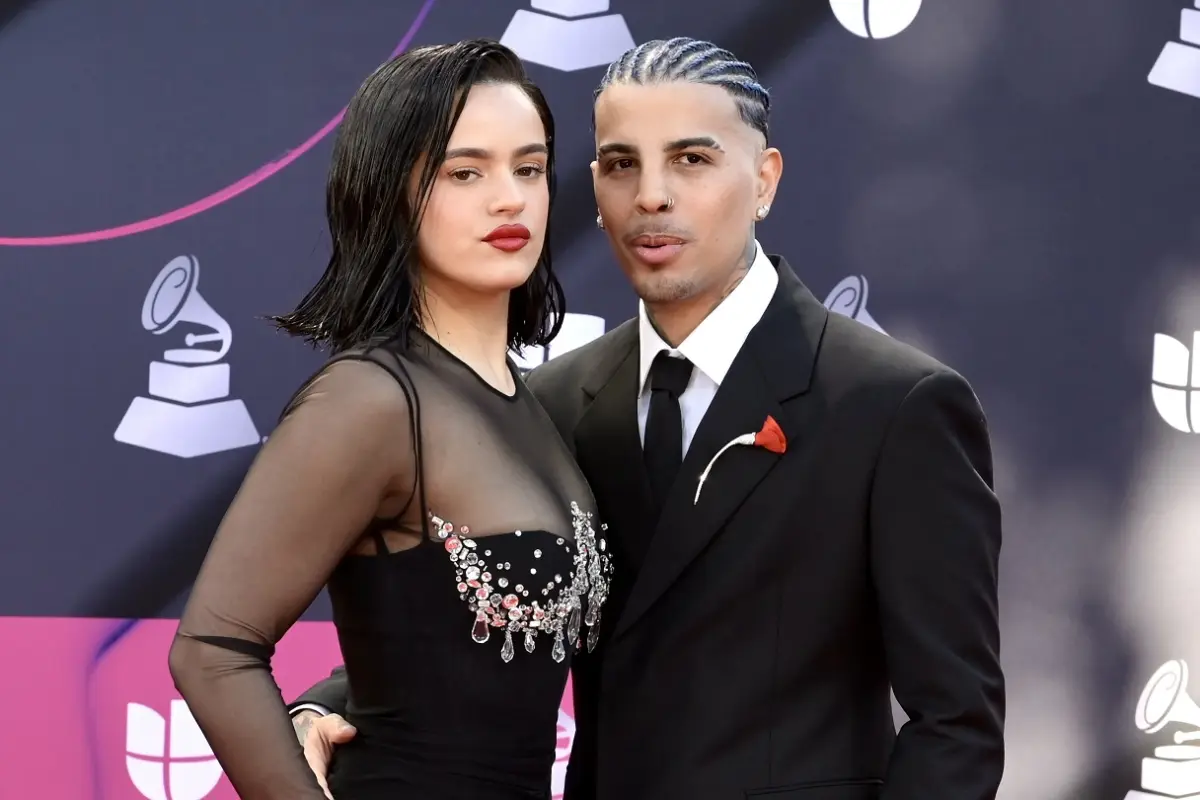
[
  {"x": 655, "y": 240},
  {"x": 656, "y": 249}
]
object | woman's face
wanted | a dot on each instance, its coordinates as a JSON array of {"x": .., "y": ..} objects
[{"x": 485, "y": 223}]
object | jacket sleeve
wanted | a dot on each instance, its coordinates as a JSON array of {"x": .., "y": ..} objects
[
  {"x": 935, "y": 548},
  {"x": 328, "y": 696}
]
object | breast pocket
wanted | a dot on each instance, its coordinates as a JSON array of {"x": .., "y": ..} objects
[{"x": 855, "y": 789}]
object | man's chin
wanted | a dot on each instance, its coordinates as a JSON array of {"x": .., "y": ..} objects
[{"x": 662, "y": 287}]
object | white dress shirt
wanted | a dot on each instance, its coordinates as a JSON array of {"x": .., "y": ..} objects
[
  {"x": 711, "y": 347},
  {"x": 319, "y": 709}
]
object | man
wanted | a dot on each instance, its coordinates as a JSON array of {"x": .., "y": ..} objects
[{"x": 765, "y": 596}]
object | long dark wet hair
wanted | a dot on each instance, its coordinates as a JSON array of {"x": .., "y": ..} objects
[{"x": 405, "y": 110}]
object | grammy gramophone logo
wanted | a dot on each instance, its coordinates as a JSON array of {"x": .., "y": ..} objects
[
  {"x": 849, "y": 298},
  {"x": 188, "y": 411},
  {"x": 1174, "y": 769},
  {"x": 1178, "y": 65},
  {"x": 568, "y": 35}
]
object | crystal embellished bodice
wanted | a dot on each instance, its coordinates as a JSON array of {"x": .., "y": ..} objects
[{"x": 564, "y": 585}]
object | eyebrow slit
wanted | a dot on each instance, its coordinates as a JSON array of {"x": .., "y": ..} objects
[
  {"x": 616, "y": 148},
  {"x": 693, "y": 141},
  {"x": 622, "y": 149}
]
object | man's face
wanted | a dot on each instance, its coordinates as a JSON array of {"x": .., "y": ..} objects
[{"x": 685, "y": 143}]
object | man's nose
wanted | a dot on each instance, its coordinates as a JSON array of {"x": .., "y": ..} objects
[{"x": 652, "y": 197}]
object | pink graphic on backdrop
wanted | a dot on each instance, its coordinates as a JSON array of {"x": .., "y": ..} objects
[
  {"x": 216, "y": 198},
  {"x": 566, "y": 738},
  {"x": 149, "y": 747},
  {"x": 124, "y": 733},
  {"x": 43, "y": 684}
]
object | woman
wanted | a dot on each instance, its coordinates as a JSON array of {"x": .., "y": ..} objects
[{"x": 415, "y": 474}]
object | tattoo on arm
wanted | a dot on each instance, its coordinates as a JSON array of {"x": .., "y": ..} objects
[{"x": 303, "y": 722}]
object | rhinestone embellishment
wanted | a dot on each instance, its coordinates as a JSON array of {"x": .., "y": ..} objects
[{"x": 578, "y": 599}]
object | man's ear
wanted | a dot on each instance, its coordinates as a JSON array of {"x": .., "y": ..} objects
[{"x": 770, "y": 171}]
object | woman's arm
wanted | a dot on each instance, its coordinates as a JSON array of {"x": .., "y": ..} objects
[{"x": 319, "y": 480}]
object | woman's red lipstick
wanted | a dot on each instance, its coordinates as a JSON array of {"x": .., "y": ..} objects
[{"x": 509, "y": 238}]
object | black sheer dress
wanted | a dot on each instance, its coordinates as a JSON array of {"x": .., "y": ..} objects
[{"x": 457, "y": 641}]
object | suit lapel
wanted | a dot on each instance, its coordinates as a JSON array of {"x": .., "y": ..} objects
[
  {"x": 609, "y": 446},
  {"x": 775, "y": 364}
]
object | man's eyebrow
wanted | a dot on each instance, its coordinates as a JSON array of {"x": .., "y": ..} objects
[
  {"x": 693, "y": 141},
  {"x": 620, "y": 148},
  {"x": 616, "y": 148},
  {"x": 481, "y": 153}
]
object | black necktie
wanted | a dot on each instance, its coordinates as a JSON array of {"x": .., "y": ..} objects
[{"x": 663, "y": 448}]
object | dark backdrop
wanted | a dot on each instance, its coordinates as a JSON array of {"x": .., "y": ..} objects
[{"x": 1016, "y": 194}]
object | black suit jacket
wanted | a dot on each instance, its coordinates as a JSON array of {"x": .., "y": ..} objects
[{"x": 751, "y": 656}]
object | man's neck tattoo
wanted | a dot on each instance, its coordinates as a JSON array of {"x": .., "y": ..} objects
[
  {"x": 748, "y": 254},
  {"x": 739, "y": 272},
  {"x": 654, "y": 325}
]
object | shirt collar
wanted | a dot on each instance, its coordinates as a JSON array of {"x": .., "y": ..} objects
[{"x": 719, "y": 337}]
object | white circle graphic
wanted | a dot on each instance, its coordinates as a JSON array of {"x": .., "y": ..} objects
[{"x": 875, "y": 19}]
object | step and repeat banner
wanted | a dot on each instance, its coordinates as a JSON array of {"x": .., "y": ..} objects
[{"x": 1012, "y": 185}]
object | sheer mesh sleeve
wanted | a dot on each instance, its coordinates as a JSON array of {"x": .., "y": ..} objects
[{"x": 341, "y": 454}]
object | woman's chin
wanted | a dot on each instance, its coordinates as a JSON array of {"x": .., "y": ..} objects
[
  {"x": 491, "y": 277},
  {"x": 505, "y": 280}
]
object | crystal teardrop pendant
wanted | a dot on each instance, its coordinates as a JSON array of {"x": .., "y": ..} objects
[
  {"x": 529, "y": 641},
  {"x": 573, "y": 624},
  {"x": 480, "y": 632},
  {"x": 593, "y": 612},
  {"x": 593, "y": 637},
  {"x": 506, "y": 652},
  {"x": 558, "y": 653}
]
